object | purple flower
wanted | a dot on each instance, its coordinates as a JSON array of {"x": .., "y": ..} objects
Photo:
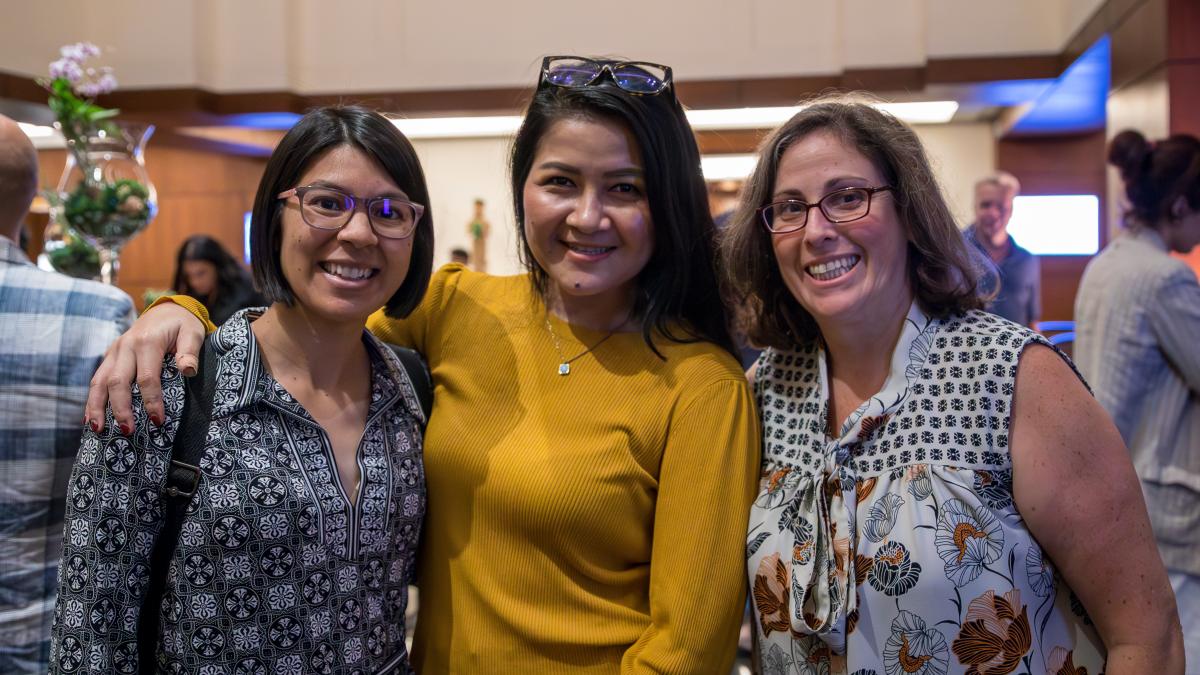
[
  {"x": 80, "y": 51},
  {"x": 67, "y": 68}
]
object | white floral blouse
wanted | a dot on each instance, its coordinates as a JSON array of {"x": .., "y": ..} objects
[
  {"x": 895, "y": 547},
  {"x": 276, "y": 569}
]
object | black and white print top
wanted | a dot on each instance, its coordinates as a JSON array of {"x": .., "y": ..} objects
[
  {"x": 276, "y": 570},
  {"x": 892, "y": 544}
]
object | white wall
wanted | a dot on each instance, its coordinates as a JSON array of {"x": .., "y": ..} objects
[
  {"x": 458, "y": 171},
  {"x": 314, "y": 46}
]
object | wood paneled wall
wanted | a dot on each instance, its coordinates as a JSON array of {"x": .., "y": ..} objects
[
  {"x": 199, "y": 192},
  {"x": 1055, "y": 165}
]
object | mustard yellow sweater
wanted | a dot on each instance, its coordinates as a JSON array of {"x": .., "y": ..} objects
[{"x": 588, "y": 523}]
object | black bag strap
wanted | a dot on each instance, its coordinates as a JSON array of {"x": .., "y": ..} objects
[
  {"x": 183, "y": 478},
  {"x": 418, "y": 374}
]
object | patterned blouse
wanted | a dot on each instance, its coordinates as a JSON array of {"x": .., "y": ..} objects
[
  {"x": 275, "y": 570},
  {"x": 895, "y": 547}
]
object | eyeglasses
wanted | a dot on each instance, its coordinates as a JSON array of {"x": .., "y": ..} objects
[
  {"x": 635, "y": 77},
  {"x": 840, "y": 206},
  {"x": 329, "y": 209}
]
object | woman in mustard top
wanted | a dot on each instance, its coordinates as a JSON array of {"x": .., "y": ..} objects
[{"x": 593, "y": 447}]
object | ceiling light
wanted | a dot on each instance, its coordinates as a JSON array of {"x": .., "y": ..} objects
[
  {"x": 921, "y": 112},
  {"x": 37, "y": 131},
  {"x": 914, "y": 112},
  {"x": 458, "y": 127},
  {"x": 727, "y": 167},
  {"x": 918, "y": 112}
]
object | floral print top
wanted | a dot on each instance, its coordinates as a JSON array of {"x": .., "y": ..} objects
[
  {"x": 893, "y": 546},
  {"x": 276, "y": 570}
]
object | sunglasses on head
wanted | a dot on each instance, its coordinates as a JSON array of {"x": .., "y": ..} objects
[{"x": 635, "y": 77}]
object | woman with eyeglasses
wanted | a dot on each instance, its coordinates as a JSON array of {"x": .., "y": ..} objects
[
  {"x": 593, "y": 443},
  {"x": 296, "y": 547},
  {"x": 940, "y": 493}
]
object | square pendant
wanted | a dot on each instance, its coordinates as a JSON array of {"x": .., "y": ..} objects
[{"x": 564, "y": 369}]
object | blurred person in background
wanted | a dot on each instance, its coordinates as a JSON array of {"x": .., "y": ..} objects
[
  {"x": 53, "y": 331},
  {"x": 207, "y": 272},
  {"x": 1016, "y": 280},
  {"x": 460, "y": 256},
  {"x": 1137, "y": 341}
]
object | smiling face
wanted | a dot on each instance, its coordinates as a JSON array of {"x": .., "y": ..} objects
[
  {"x": 587, "y": 219},
  {"x": 343, "y": 275},
  {"x": 845, "y": 274},
  {"x": 993, "y": 208}
]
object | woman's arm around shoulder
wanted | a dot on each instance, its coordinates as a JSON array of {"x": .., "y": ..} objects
[
  {"x": 172, "y": 325},
  {"x": 1075, "y": 486},
  {"x": 707, "y": 481}
]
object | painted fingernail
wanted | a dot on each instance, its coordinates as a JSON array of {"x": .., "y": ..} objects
[
  {"x": 94, "y": 425},
  {"x": 156, "y": 419},
  {"x": 126, "y": 428}
]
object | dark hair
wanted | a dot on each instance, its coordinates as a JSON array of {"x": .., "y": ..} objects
[
  {"x": 678, "y": 295},
  {"x": 230, "y": 274},
  {"x": 318, "y": 131},
  {"x": 940, "y": 267},
  {"x": 1156, "y": 174}
]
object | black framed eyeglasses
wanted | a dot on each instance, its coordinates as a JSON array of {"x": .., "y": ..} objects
[
  {"x": 840, "y": 206},
  {"x": 635, "y": 77},
  {"x": 327, "y": 208}
]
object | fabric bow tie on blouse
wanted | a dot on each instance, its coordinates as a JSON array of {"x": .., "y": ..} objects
[{"x": 818, "y": 526}]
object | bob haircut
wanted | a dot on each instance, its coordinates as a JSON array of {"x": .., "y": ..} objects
[
  {"x": 318, "y": 131},
  {"x": 204, "y": 248},
  {"x": 941, "y": 270},
  {"x": 678, "y": 292}
]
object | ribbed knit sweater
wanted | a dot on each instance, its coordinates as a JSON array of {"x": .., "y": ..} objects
[{"x": 586, "y": 523}]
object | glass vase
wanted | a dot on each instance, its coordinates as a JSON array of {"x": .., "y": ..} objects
[{"x": 105, "y": 196}]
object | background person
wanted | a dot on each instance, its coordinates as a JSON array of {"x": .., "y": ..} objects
[
  {"x": 1016, "y": 280},
  {"x": 938, "y": 484},
  {"x": 206, "y": 271},
  {"x": 592, "y": 448},
  {"x": 53, "y": 331},
  {"x": 1137, "y": 319},
  {"x": 460, "y": 256}
]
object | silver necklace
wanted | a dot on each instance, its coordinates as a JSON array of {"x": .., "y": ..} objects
[{"x": 564, "y": 366}]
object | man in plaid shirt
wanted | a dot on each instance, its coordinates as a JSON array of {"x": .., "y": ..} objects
[{"x": 53, "y": 333}]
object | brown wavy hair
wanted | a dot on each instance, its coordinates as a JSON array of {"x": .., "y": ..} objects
[{"x": 941, "y": 270}]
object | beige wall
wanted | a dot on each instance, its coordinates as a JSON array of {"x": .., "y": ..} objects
[{"x": 314, "y": 46}]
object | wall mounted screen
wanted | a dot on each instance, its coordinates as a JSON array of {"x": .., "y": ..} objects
[{"x": 1057, "y": 224}]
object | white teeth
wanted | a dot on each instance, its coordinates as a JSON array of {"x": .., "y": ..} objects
[
  {"x": 832, "y": 269},
  {"x": 347, "y": 272},
  {"x": 589, "y": 251}
]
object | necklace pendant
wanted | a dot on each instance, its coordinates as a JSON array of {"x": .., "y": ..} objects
[{"x": 564, "y": 369}]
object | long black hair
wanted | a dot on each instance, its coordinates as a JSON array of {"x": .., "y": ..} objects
[
  {"x": 230, "y": 274},
  {"x": 319, "y": 130},
  {"x": 678, "y": 295}
]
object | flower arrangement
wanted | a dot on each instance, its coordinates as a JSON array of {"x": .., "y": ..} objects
[
  {"x": 110, "y": 200},
  {"x": 73, "y": 87}
]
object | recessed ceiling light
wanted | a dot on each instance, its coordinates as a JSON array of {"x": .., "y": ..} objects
[
  {"x": 727, "y": 167},
  {"x": 917, "y": 112},
  {"x": 36, "y": 130}
]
